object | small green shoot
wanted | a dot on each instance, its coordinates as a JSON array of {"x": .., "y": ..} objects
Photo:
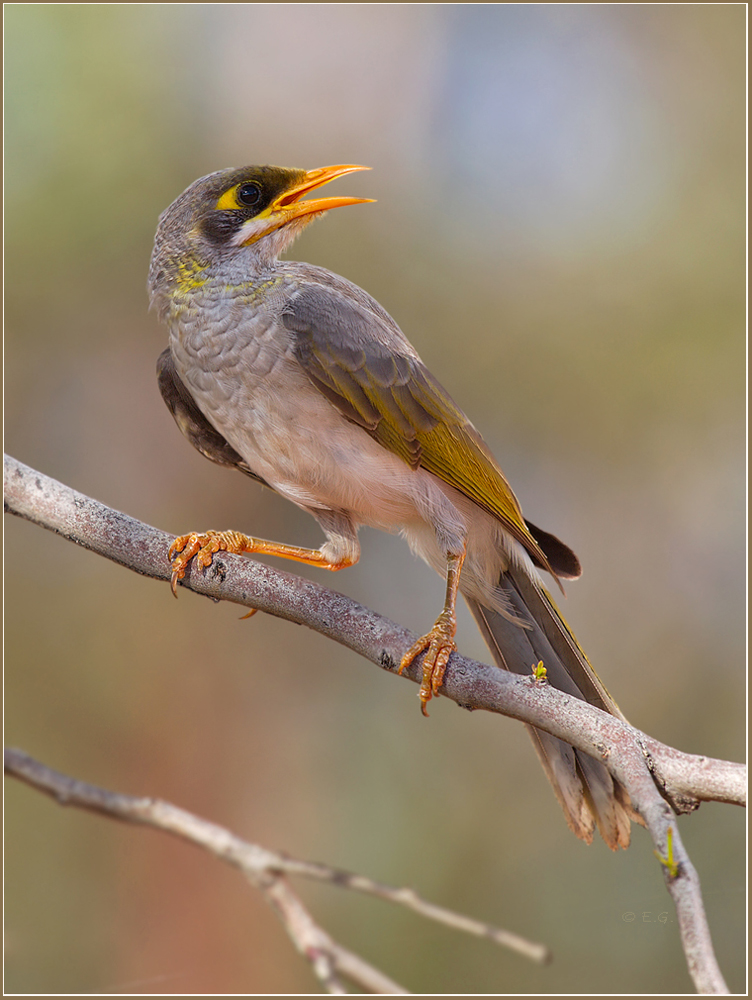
[
  {"x": 539, "y": 673},
  {"x": 669, "y": 862}
]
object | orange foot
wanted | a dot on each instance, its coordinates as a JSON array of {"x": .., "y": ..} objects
[
  {"x": 203, "y": 546},
  {"x": 439, "y": 644}
]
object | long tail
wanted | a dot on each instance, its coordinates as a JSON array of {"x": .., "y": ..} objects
[{"x": 586, "y": 791}]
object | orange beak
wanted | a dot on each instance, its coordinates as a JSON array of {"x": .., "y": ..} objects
[{"x": 290, "y": 205}]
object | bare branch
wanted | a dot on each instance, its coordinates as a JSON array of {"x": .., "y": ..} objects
[
  {"x": 632, "y": 757},
  {"x": 267, "y": 871},
  {"x": 685, "y": 779}
]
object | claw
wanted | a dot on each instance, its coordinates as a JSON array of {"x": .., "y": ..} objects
[
  {"x": 180, "y": 553},
  {"x": 439, "y": 645},
  {"x": 202, "y": 546}
]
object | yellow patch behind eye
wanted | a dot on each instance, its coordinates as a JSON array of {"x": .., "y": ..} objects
[{"x": 229, "y": 200}]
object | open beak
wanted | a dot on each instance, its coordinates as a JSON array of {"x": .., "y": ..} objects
[{"x": 288, "y": 206}]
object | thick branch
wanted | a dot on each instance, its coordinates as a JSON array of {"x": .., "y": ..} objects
[{"x": 683, "y": 778}]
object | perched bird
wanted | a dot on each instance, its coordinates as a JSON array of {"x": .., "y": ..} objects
[{"x": 302, "y": 381}]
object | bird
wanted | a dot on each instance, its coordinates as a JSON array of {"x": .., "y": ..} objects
[{"x": 299, "y": 379}]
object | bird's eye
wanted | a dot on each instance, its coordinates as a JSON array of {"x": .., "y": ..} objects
[{"x": 248, "y": 194}]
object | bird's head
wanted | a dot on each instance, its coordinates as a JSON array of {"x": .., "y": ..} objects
[{"x": 253, "y": 212}]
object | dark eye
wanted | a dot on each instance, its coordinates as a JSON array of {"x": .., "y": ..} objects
[{"x": 249, "y": 194}]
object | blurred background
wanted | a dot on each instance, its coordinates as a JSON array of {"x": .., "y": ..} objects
[{"x": 560, "y": 231}]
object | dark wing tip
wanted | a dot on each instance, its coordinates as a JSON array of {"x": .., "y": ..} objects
[{"x": 561, "y": 559}]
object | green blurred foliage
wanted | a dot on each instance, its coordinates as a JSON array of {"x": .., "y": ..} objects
[{"x": 587, "y": 312}]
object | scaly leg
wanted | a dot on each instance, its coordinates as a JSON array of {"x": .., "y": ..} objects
[
  {"x": 204, "y": 545},
  {"x": 439, "y": 642}
]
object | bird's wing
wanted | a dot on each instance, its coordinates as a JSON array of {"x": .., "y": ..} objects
[
  {"x": 191, "y": 421},
  {"x": 374, "y": 378}
]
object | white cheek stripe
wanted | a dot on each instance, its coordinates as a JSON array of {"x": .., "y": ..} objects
[{"x": 249, "y": 229}]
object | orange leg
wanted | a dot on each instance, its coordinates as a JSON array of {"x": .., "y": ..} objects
[
  {"x": 204, "y": 545},
  {"x": 439, "y": 642}
]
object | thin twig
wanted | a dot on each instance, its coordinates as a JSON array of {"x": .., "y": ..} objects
[
  {"x": 328, "y": 958},
  {"x": 629, "y": 754},
  {"x": 266, "y": 870},
  {"x": 411, "y": 900}
]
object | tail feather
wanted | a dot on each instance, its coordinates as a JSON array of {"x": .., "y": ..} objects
[
  {"x": 559, "y": 761},
  {"x": 587, "y": 793}
]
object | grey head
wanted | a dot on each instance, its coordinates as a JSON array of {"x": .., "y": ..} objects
[{"x": 252, "y": 213}]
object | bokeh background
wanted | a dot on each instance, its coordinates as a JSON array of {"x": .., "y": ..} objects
[{"x": 560, "y": 232}]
